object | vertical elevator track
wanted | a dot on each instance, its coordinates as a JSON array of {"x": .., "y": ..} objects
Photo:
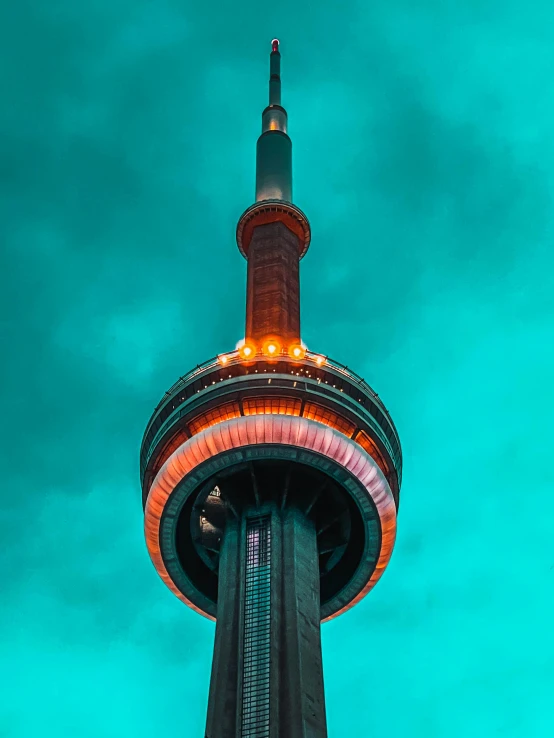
[{"x": 257, "y": 611}]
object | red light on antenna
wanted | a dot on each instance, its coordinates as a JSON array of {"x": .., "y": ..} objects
[{"x": 275, "y": 44}]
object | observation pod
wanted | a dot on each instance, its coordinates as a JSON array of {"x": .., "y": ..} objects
[
  {"x": 271, "y": 435},
  {"x": 270, "y": 478}
]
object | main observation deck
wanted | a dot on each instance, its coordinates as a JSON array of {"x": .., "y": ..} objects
[{"x": 315, "y": 387}]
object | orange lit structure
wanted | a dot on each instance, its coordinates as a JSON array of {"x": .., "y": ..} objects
[{"x": 271, "y": 479}]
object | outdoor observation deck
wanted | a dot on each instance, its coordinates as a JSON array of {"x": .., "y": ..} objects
[{"x": 314, "y": 387}]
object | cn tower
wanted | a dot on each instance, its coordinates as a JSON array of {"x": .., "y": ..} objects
[{"x": 270, "y": 478}]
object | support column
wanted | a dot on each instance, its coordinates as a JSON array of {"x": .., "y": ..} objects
[
  {"x": 224, "y": 684},
  {"x": 267, "y": 673},
  {"x": 302, "y": 698}
]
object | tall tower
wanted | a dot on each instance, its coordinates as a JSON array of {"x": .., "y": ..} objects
[{"x": 270, "y": 480}]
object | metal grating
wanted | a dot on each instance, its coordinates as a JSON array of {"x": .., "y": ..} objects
[{"x": 257, "y": 612}]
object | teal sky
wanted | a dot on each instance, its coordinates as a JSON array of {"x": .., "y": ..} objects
[{"x": 423, "y": 137}]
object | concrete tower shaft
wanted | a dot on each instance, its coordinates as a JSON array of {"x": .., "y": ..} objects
[{"x": 278, "y": 590}]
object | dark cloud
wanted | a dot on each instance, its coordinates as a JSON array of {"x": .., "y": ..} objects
[{"x": 422, "y": 142}]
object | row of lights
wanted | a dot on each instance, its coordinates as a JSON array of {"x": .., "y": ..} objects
[{"x": 271, "y": 348}]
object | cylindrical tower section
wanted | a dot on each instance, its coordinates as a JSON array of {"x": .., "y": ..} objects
[
  {"x": 274, "y": 167},
  {"x": 274, "y": 118},
  {"x": 274, "y": 149},
  {"x": 273, "y": 285}
]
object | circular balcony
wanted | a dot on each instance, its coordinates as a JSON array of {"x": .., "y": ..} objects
[
  {"x": 314, "y": 387},
  {"x": 271, "y": 211}
]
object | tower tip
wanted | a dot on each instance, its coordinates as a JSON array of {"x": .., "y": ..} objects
[{"x": 275, "y": 44}]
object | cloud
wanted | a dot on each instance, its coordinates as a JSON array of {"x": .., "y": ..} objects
[{"x": 422, "y": 139}]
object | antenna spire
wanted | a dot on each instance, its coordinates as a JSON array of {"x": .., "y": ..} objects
[
  {"x": 275, "y": 74},
  {"x": 273, "y": 159}
]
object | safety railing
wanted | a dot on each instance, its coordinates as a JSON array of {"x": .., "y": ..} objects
[{"x": 233, "y": 357}]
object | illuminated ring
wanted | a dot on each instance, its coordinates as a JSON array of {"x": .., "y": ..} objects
[
  {"x": 273, "y": 211},
  {"x": 242, "y": 433}
]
